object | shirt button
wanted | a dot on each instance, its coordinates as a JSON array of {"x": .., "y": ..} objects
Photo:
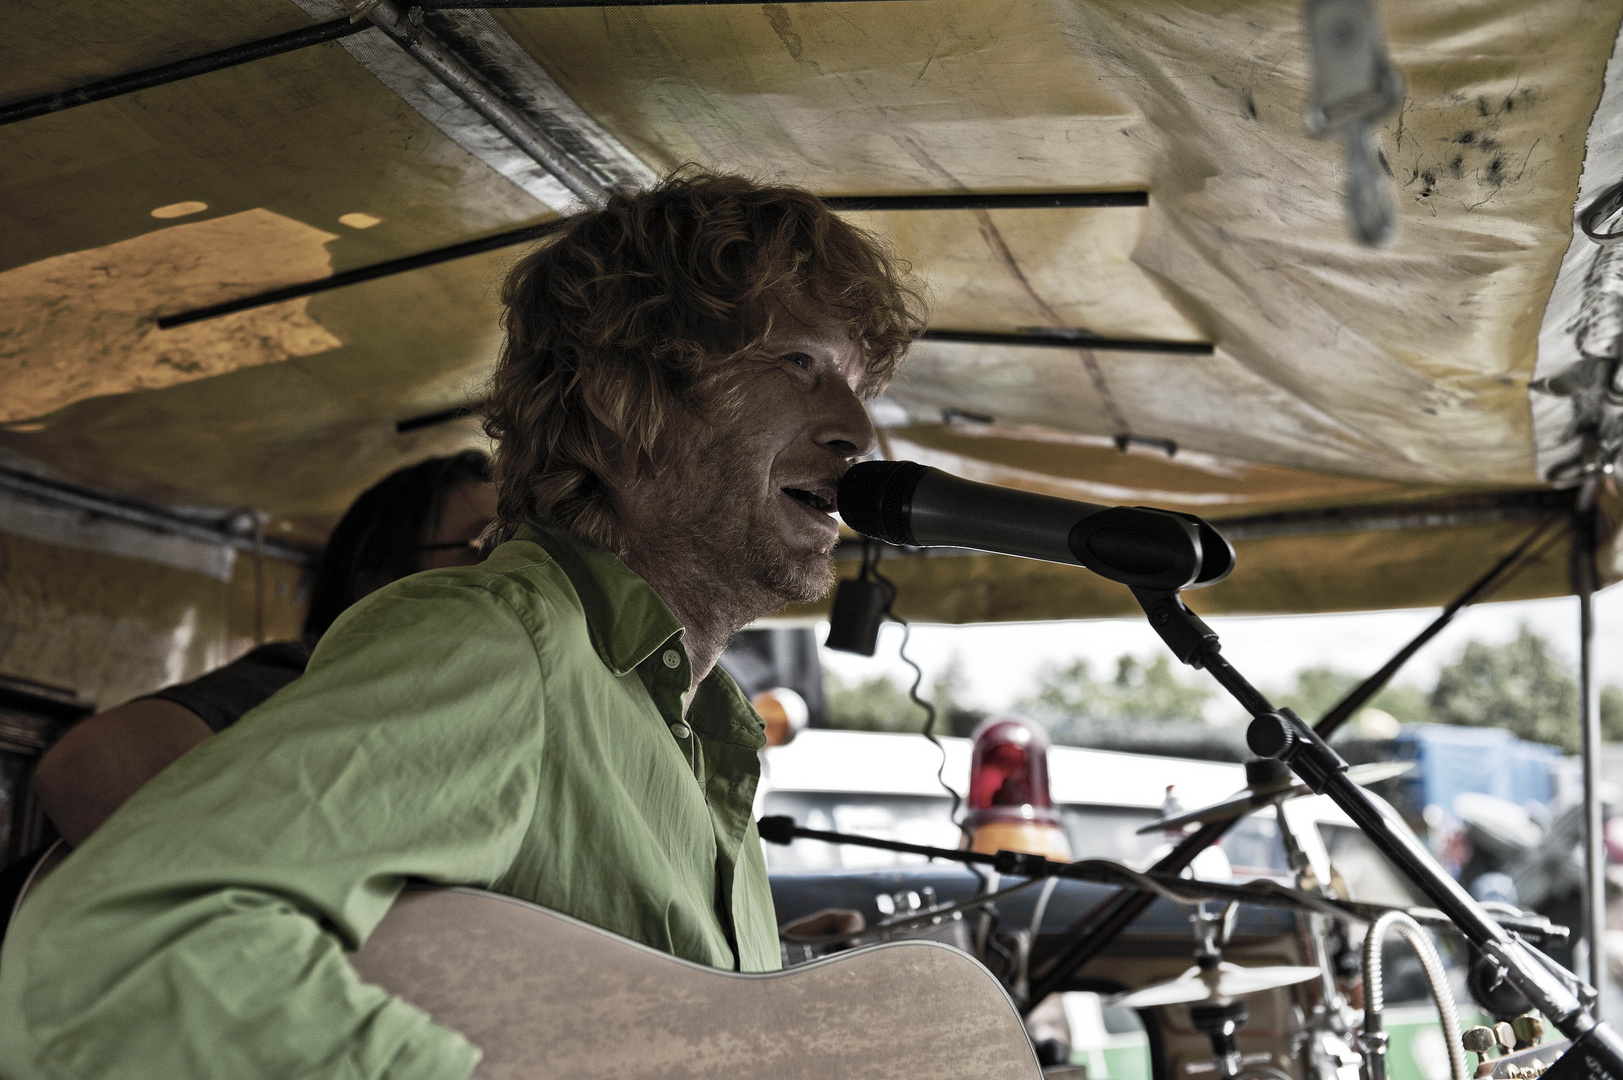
[
  {"x": 672, "y": 658},
  {"x": 681, "y": 730}
]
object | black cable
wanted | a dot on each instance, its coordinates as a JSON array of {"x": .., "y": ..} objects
[
  {"x": 871, "y": 551},
  {"x": 871, "y": 570}
]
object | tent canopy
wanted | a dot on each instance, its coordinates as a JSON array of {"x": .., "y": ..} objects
[{"x": 1365, "y": 419}]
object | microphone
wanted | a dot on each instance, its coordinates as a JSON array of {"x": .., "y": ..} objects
[{"x": 913, "y": 505}]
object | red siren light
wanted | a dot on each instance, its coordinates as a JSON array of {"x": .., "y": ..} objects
[{"x": 1009, "y": 804}]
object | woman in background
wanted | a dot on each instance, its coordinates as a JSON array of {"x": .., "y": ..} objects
[{"x": 422, "y": 517}]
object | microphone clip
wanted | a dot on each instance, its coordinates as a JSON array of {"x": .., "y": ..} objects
[{"x": 1189, "y": 638}]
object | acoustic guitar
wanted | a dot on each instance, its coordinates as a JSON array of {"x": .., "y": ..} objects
[{"x": 545, "y": 995}]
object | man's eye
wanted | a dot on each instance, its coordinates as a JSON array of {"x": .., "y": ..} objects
[{"x": 800, "y": 360}]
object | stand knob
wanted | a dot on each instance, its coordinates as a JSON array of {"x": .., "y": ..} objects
[{"x": 1270, "y": 736}]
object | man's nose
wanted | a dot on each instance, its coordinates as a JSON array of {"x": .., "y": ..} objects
[{"x": 844, "y": 426}]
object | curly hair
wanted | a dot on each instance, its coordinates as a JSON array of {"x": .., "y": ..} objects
[{"x": 626, "y": 316}]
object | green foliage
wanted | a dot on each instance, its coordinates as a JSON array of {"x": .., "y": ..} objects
[
  {"x": 1524, "y": 686},
  {"x": 1521, "y": 686},
  {"x": 1611, "y": 713},
  {"x": 1145, "y": 707},
  {"x": 1139, "y": 692},
  {"x": 1320, "y": 689},
  {"x": 875, "y": 704},
  {"x": 881, "y": 704}
]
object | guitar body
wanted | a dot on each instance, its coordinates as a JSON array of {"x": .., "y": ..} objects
[{"x": 545, "y": 995}]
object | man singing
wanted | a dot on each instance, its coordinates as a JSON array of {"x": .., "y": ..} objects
[{"x": 680, "y": 389}]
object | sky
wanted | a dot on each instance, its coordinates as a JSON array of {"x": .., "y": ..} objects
[{"x": 1001, "y": 660}]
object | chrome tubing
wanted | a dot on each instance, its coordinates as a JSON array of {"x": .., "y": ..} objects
[{"x": 1372, "y": 1040}]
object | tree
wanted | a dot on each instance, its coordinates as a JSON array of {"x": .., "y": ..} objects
[
  {"x": 1319, "y": 689},
  {"x": 1521, "y": 686},
  {"x": 880, "y": 703},
  {"x": 874, "y": 704},
  {"x": 1611, "y": 713},
  {"x": 1145, "y": 708},
  {"x": 1141, "y": 692}
]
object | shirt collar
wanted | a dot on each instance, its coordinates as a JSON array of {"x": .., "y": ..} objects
[{"x": 625, "y": 617}]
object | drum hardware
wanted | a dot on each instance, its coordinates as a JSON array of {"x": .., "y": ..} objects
[
  {"x": 1593, "y": 1056},
  {"x": 1265, "y": 787},
  {"x": 1521, "y": 1056},
  {"x": 1213, "y": 980},
  {"x": 1597, "y": 1050},
  {"x": 1329, "y": 1029},
  {"x": 1212, "y": 989},
  {"x": 1093, "y": 932}
]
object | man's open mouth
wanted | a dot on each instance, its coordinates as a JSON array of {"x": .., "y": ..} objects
[{"x": 811, "y": 499}]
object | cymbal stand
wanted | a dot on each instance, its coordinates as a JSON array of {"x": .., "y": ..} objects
[
  {"x": 1597, "y": 1050},
  {"x": 1327, "y": 1029},
  {"x": 1220, "y": 1022}
]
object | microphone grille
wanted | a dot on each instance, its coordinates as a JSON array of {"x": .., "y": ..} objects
[{"x": 874, "y": 498}]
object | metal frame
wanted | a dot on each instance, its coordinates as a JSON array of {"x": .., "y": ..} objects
[
  {"x": 1070, "y": 339},
  {"x": 1585, "y": 581},
  {"x": 277, "y": 44},
  {"x": 163, "y": 74},
  {"x": 852, "y": 203},
  {"x": 459, "y": 5},
  {"x": 160, "y": 519},
  {"x": 588, "y": 185}
]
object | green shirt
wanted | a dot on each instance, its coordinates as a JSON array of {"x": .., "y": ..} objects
[{"x": 516, "y": 725}]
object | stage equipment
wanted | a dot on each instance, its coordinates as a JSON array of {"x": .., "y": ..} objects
[
  {"x": 1281, "y": 734},
  {"x": 1372, "y": 1038},
  {"x": 1263, "y": 789},
  {"x": 1096, "y": 930},
  {"x": 1213, "y": 980},
  {"x": 859, "y": 607},
  {"x": 1212, "y": 989},
  {"x": 892, "y": 499},
  {"x": 781, "y": 829}
]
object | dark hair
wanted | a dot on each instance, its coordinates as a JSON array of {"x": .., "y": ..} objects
[
  {"x": 626, "y": 315},
  {"x": 376, "y": 540}
]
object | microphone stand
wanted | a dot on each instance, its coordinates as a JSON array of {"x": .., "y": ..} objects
[
  {"x": 782, "y": 829},
  {"x": 1597, "y": 1050}
]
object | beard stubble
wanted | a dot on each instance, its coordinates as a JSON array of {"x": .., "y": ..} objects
[{"x": 734, "y": 537}]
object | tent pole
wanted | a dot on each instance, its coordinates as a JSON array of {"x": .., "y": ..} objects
[
  {"x": 1584, "y": 540},
  {"x": 164, "y": 74}
]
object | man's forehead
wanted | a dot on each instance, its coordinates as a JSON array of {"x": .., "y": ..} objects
[
  {"x": 822, "y": 331},
  {"x": 810, "y": 325}
]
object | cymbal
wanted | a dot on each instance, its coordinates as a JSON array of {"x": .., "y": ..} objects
[
  {"x": 1213, "y": 984},
  {"x": 1249, "y": 799}
]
